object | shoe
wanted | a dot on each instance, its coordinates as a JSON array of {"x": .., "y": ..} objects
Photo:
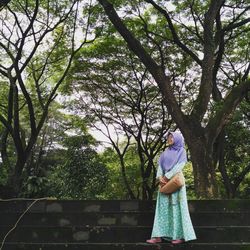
[
  {"x": 177, "y": 241},
  {"x": 154, "y": 241}
]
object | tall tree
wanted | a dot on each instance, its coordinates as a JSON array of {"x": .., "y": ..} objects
[
  {"x": 38, "y": 43},
  {"x": 119, "y": 98},
  {"x": 208, "y": 41}
]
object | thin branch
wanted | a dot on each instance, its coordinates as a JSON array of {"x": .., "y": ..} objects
[
  {"x": 16, "y": 20},
  {"x": 6, "y": 124},
  {"x": 234, "y": 25},
  {"x": 8, "y": 51},
  {"x": 223, "y": 116},
  {"x": 24, "y": 34},
  {"x": 195, "y": 22},
  {"x": 241, "y": 176},
  {"x": 153, "y": 40},
  {"x": 246, "y": 74},
  {"x": 174, "y": 33},
  {"x": 43, "y": 35},
  {"x": 4, "y": 73}
]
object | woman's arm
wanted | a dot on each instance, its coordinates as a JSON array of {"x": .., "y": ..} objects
[
  {"x": 160, "y": 177},
  {"x": 159, "y": 172},
  {"x": 177, "y": 168}
]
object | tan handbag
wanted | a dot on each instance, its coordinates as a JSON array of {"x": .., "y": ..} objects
[{"x": 174, "y": 184}]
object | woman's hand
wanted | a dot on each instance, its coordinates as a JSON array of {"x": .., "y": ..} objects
[{"x": 163, "y": 180}]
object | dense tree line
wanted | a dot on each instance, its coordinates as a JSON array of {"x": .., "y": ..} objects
[{"x": 175, "y": 64}]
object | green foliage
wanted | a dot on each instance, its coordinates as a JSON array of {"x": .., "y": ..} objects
[
  {"x": 237, "y": 148},
  {"x": 189, "y": 180},
  {"x": 35, "y": 187},
  {"x": 82, "y": 176},
  {"x": 55, "y": 153},
  {"x": 115, "y": 187},
  {"x": 34, "y": 62}
]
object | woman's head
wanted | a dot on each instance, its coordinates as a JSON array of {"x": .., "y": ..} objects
[
  {"x": 175, "y": 153},
  {"x": 175, "y": 139},
  {"x": 170, "y": 139}
]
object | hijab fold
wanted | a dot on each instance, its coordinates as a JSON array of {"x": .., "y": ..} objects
[{"x": 174, "y": 154}]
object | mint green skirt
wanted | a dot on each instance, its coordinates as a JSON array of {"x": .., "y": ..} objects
[{"x": 172, "y": 219}]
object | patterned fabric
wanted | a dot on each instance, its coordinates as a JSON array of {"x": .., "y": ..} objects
[{"x": 172, "y": 220}]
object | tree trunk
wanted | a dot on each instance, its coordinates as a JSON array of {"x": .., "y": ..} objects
[
  {"x": 220, "y": 161},
  {"x": 150, "y": 185},
  {"x": 14, "y": 183},
  {"x": 145, "y": 185},
  {"x": 204, "y": 173},
  {"x": 3, "y": 149},
  {"x": 147, "y": 192},
  {"x": 15, "y": 180},
  {"x": 124, "y": 177}
]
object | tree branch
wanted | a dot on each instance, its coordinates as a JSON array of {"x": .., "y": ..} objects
[
  {"x": 6, "y": 124},
  {"x": 133, "y": 43},
  {"x": 153, "y": 40},
  {"x": 8, "y": 51},
  {"x": 206, "y": 85},
  {"x": 16, "y": 122},
  {"x": 3, "y": 3},
  {"x": 223, "y": 116},
  {"x": 24, "y": 35},
  {"x": 244, "y": 78},
  {"x": 174, "y": 33},
  {"x": 162, "y": 80},
  {"x": 220, "y": 44},
  {"x": 28, "y": 99},
  {"x": 195, "y": 22},
  {"x": 240, "y": 178},
  {"x": 3, "y": 73},
  {"x": 232, "y": 25},
  {"x": 43, "y": 35}
]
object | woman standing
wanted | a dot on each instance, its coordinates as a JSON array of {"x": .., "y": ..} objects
[{"x": 172, "y": 220}]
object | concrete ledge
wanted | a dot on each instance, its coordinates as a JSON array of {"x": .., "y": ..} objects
[
  {"x": 132, "y": 218},
  {"x": 118, "y": 205},
  {"x": 118, "y": 234},
  {"x": 127, "y": 246}
]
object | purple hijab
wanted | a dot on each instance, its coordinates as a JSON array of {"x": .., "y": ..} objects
[{"x": 174, "y": 154}]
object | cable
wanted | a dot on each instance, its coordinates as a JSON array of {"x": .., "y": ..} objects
[{"x": 16, "y": 199}]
